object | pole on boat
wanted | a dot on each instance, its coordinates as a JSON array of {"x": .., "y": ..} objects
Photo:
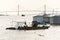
[
  {"x": 18, "y": 9},
  {"x": 44, "y": 9}
]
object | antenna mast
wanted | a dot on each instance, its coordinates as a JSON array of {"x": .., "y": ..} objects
[{"x": 53, "y": 12}]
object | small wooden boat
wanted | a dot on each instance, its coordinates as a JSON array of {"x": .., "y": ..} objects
[{"x": 11, "y": 28}]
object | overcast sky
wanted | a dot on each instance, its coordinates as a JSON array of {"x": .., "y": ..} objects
[{"x": 11, "y": 5}]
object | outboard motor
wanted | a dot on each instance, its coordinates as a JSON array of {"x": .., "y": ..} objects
[{"x": 18, "y": 28}]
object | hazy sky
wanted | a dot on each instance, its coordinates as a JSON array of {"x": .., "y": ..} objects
[{"x": 11, "y": 5}]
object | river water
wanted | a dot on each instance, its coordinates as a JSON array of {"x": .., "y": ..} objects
[{"x": 53, "y": 33}]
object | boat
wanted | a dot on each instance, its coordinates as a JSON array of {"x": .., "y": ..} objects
[{"x": 26, "y": 27}]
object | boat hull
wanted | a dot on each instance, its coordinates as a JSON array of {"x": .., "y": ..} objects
[{"x": 27, "y": 28}]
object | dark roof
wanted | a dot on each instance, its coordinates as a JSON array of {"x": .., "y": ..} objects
[{"x": 38, "y": 16}]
